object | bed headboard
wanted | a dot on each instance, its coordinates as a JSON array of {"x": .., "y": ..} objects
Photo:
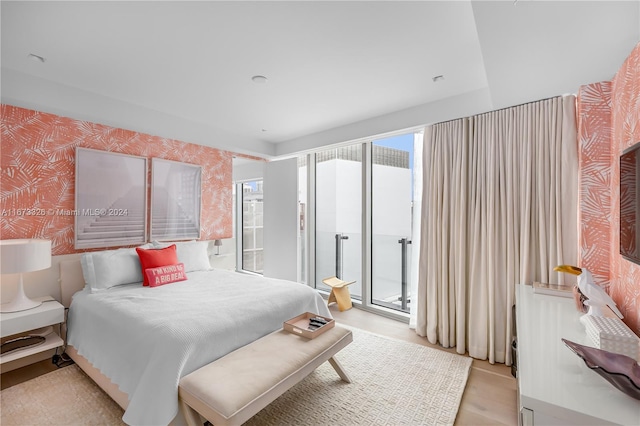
[{"x": 71, "y": 280}]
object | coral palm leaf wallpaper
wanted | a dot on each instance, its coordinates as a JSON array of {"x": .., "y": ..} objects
[
  {"x": 625, "y": 97},
  {"x": 37, "y": 186},
  {"x": 609, "y": 123},
  {"x": 596, "y": 156}
]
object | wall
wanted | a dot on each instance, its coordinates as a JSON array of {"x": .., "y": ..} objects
[
  {"x": 244, "y": 171},
  {"x": 595, "y": 180},
  {"x": 281, "y": 219},
  {"x": 625, "y": 288},
  {"x": 609, "y": 122},
  {"x": 38, "y": 172}
]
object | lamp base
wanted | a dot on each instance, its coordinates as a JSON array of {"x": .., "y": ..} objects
[
  {"x": 21, "y": 302},
  {"x": 22, "y": 306},
  {"x": 19, "y": 305}
]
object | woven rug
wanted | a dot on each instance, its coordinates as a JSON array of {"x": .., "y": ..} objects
[{"x": 394, "y": 383}]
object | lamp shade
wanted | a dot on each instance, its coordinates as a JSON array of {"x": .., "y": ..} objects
[
  {"x": 217, "y": 243},
  {"x": 24, "y": 255}
]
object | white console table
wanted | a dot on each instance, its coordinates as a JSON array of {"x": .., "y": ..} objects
[{"x": 555, "y": 387}]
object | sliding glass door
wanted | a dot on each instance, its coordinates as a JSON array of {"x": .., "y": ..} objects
[
  {"x": 356, "y": 213},
  {"x": 338, "y": 216},
  {"x": 391, "y": 218}
]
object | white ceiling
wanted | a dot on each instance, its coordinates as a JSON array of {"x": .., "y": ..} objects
[{"x": 337, "y": 71}]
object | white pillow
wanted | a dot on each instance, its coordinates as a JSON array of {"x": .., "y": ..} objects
[
  {"x": 109, "y": 268},
  {"x": 194, "y": 254}
]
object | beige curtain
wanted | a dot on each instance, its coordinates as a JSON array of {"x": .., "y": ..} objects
[{"x": 499, "y": 208}]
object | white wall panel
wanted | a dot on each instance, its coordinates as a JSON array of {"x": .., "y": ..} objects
[{"x": 281, "y": 219}]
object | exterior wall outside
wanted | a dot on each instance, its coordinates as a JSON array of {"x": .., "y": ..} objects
[
  {"x": 38, "y": 172},
  {"x": 608, "y": 123},
  {"x": 339, "y": 200},
  {"x": 392, "y": 220},
  {"x": 337, "y": 211},
  {"x": 391, "y": 201}
]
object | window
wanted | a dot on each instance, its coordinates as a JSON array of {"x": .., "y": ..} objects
[{"x": 252, "y": 226}]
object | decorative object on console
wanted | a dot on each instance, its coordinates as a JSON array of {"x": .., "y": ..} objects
[
  {"x": 23, "y": 255},
  {"x": 611, "y": 334},
  {"x": 217, "y": 244},
  {"x": 621, "y": 371},
  {"x": 553, "y": 289},
  {"x": 597, "y": 298},
  {"x": 580, "y": 300}
]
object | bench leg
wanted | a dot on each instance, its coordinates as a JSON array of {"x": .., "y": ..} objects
[
  {"x": 191, "y": 416},
  {"x": 336, "y": 366}
]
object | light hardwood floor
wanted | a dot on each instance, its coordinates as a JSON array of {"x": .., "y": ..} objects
[{"x": 489, "y": 398}]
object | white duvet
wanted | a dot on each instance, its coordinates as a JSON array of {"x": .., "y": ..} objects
[{"x": 145, "y": 339}]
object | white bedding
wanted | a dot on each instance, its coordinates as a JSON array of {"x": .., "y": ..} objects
[{"x": 145, "y": 339}]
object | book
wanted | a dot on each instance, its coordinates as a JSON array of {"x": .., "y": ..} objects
[{"x": 562, "y": 290}]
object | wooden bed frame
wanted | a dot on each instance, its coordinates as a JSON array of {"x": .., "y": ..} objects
[{"x": 72, "y": 281}]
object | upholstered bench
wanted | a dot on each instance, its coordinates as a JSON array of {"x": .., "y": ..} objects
[{"x": 232, "y": 389}]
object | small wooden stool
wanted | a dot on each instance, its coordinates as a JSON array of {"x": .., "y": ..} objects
[{"x": 339, "y": 292}]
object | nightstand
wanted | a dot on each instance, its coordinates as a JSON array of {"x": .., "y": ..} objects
[{"x": 49, "y": 313}]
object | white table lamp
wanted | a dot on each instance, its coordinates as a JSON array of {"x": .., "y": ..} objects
[{"x": 23, "y": 255}]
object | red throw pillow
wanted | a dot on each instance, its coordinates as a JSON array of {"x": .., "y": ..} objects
[
  {"x": 165, "y": 274},
  {"x": 152, "y": 258}
]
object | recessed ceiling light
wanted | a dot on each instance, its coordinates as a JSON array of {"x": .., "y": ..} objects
[
  {"x": 264, "y": 130},
  {"x": 259, "y": 79},
  {"x": 36, "y": 57},
  {"x": 438, "y": 78}
]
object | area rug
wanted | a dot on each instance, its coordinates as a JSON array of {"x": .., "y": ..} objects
[{"x": 394, "y": 383}]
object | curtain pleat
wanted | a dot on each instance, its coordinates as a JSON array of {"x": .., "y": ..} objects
[{"x": 499, "y": 208}]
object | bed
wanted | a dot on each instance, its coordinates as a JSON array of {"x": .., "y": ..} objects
[{"x": 137, "y": 342}]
